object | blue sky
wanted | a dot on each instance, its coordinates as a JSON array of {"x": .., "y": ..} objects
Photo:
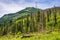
[{"x": 11, "y": 6}]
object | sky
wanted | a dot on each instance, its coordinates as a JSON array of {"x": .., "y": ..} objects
[{"x": 12, "y": 6}]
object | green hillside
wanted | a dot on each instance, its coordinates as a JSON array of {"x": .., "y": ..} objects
[
  {"x": 11, "y": 16},
  {"x": 31, "y": 20}
]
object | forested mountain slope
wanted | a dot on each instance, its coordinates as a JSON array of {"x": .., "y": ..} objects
[
  {"x": 30, "y": 20},
  {"x": 18, "y": 14}
]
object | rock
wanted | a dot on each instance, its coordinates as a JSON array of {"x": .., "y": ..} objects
[{"x": 26, "y": 36}]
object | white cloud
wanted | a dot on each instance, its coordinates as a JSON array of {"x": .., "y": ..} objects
[
  {"x": 12, "y": 6},
  {"x": 9, "y": 8}
]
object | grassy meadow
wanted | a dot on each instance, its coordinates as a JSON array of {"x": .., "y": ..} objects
[{"x": 38, "y": 36}]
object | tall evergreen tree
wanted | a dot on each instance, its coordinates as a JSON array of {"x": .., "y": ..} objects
[
  {"x": 43, "y": 22},
  {"x": 31, "y": 23},
  {"x": 22, "y": 30},
  {"x": 38, "y": 16},
  {"x": 48, "y": 19},
  {"x": 55, "y": 15},
  {"x": 27, "y": 24}
]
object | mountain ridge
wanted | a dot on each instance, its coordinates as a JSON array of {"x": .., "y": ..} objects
[
  {"x": 19, "y": 13},
  {"x": 23, "y": 12}
]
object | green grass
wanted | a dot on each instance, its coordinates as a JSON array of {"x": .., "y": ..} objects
[{"x": 39, "y": 36}]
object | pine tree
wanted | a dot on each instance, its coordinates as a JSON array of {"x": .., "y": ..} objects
[
  {"x": 38, "y": 16},
  {"x": 48, "y": 19},
  {"x": 49, "y": 12},
  {"x": 31, "y": 23},
  {"x": 43, "y": 21},
  {"x": 22, "y": 30},
  {"x": 27, "y": 24},
  {"x": 38, "y": 20},
  {"x": 55, "y": 15}
]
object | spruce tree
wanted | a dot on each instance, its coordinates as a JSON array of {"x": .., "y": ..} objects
[{"x": 55, "y": 16}]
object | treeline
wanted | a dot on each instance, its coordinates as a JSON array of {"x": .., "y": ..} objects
[{"x": 34, "y": 22}]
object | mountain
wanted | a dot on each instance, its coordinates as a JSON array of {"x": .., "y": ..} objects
[
  {"x": 18, "y": 14},
  {"x": 57, "y": 9},
  {"x": 31, "y": 20},
  {"x": 23, "y": 12}
]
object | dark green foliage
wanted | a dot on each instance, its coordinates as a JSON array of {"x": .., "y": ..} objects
[
  {"x": 38, "y": 16},
  {"x": 31, "y": 23},
  {"x": 43, "y": 21},
  {"x": 27, "y": 24},
  {"x": 48, "y": 19},
  {"x": 55, "y": 15},
  {"x": 50, "y": 13},
  {"x": 21, "y": 25}
]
